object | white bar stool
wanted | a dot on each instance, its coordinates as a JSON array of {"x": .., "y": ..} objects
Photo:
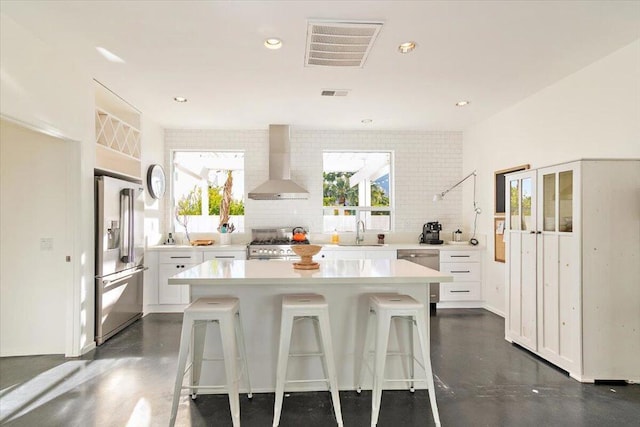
[
  {"x": 383, "y": 308},
  {"x": 226, "y": 312},
  {"x": 297, "y": 307}
]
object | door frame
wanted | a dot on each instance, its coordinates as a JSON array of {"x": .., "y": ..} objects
[{"x": 73, "y": 308}]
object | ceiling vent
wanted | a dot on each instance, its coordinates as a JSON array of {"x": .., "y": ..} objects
[
  {"x": 340, "y": 43},
  {"x": 334, "y": 92}
]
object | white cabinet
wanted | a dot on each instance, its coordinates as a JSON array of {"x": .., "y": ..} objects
[
  {"x": 171, "y": 263},
  {"x": 165, "y": 262},
  {"x": 337, "y": 253},
  {"x": 225, "y": 254},
  {"x": 381, "y": 254},
  {"x": 573, "y": 263},
  {"x": 341, "y": 254},
  {"x": 118, "y": 146},
  {"x": 520, "y": 230},
  {"x": 465, "y": 267}
]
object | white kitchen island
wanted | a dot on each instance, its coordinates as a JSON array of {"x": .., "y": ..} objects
[{"x": 345, "y": 284}]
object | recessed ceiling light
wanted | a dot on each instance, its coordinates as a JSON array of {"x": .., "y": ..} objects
[
  {"x": 407, "y": 47},
  {"x": 273, "y": 43},
  {"x": 109, "y": 56},
  {"x": 366, "y": 121},
  {"x": 180, "y": 99},
  {"x": 462, "y": 103}
]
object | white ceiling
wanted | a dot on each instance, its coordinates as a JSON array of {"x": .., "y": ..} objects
[{"x": 493, "y": 53}]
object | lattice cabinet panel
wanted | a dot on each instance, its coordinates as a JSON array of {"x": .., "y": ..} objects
[{"x": 117, "y": 135}]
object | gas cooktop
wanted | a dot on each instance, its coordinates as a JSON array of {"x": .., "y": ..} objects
[{"x": 279, "y": 241}]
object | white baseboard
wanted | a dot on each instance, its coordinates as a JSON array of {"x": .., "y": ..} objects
[
  {"x": 87, "y": 348},
  {"x": 460, "y": 304},
  {"x": 494, "y": 310},
  {"x": 164, "y": 308}
]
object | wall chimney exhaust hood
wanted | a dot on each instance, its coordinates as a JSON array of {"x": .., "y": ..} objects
[{"x": 279, "y": 186}]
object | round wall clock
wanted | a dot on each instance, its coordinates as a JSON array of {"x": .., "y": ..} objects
[{"x": 156, "y": 181}]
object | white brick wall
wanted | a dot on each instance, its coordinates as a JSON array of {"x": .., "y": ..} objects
[{"x": 424, "y": 163}]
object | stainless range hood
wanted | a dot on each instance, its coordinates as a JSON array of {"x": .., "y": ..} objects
[{"x": 279, "y": 186}]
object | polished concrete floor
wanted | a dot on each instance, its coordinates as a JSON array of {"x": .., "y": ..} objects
[{"x": 481, "y": 380}]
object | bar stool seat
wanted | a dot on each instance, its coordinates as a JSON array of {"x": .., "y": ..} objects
[
  {"x": 225, "y": 311},
  {"x": 314, "y": 307},
  {"x": 383, "y": 308}
]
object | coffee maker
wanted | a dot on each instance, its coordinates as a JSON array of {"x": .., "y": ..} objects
[{"x": 431, "y": 233}]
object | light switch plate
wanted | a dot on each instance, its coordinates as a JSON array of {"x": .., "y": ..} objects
[{"x": 46, "y": 244}]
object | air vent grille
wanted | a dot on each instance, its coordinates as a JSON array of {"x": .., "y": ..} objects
[{"x": 340, "y": 44}]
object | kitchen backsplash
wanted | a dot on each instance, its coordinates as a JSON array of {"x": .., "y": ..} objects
[{"x": 425, "y": 163}]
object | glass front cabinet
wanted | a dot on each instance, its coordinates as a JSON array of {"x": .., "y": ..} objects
[
  {"x": 543, "y": 262},
  {"x": 572, "y": 248}
]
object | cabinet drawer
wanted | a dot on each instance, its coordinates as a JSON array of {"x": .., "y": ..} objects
[
  {"x": 459, "y": 256},
  {"x": 180, "y": 257},
  {"x": 224, "y": 255},
  {"x": 460, "y": 291},
  {"x": 461, "y": 271}
]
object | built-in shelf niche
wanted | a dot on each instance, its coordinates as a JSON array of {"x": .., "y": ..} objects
[{"x": 118, "y": 136}]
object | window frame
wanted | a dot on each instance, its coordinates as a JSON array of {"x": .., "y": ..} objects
[
  {"x": 361, "y": 211},
  {"x": 175, "y": 226}
]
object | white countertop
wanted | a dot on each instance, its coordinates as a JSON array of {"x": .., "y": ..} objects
[
  {"x": 328, "y": 246},
  {"x": 395, "y": 246},
  {"x": 278, "y": 272},
  {"x": 236, "y": 247}
]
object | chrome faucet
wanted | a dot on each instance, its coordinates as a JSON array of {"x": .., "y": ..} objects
[{"x": 359, "y": 237}]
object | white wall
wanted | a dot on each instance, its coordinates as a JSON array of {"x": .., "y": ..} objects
[
  {"x": 152, "y": 153},
  {"x": 594, "y": 113},
  {"x": 51, "y": 93},
  {"x": 425, "y": 163}
]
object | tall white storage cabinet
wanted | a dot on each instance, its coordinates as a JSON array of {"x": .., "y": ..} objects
[{"x": 573, "y": 266}]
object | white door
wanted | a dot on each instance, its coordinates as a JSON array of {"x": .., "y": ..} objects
[
  {"x": 35, "y": 225},
  {"x": 559, "y": 265},
  {"x": 521, "y": 258}
]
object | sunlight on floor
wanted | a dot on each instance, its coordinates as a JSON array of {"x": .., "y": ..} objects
[
  {"x": 20, "y": 399},
  {"x": 141, "y": 415}
]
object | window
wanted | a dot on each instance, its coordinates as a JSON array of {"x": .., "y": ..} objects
[
  {"x": 207, "y": 190},
  {"x": 357, "y": 186}
]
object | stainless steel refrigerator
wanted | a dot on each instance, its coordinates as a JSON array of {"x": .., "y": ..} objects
[{"x": 119, "y": 255}]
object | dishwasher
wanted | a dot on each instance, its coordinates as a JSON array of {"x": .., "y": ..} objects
[{"x": 429, "y": 258}]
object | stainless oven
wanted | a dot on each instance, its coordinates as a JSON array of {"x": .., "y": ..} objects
[
  {"x": 270, "y": 252},
  {"x": 273, "y": 243},
  {"x": 429, "y": 258}
]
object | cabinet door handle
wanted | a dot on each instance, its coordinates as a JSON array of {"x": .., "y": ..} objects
[
  {"x": 532, "y": 232},
  {"x": 460, "y": 256},
  {"x": 225, "y": 257},
  {"x": 181, "y": 257},
  {"x": 460, "y": 271},
  {"x": 458, "y": 292}
]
